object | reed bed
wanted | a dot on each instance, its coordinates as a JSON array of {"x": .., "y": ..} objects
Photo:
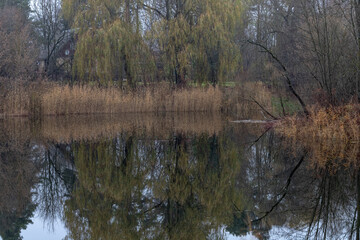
[
  {"x": 333, "y": 124},
  {"x": 331, "y": 135},
  {"x": 239, "y": 101},
  {"x": 65, "y": 100},
  {"x": 16, "y": 100},
  {"x": 52, "y": 99}
]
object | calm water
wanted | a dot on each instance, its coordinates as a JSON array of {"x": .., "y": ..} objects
[{"x": 171, "y": 177}]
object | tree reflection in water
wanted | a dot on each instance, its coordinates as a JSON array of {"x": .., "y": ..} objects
[
  {"x": 17, "y": 177},
  {"x": 315, "y": 198},
  {"x": 178, "y": 184},
  {"x": 133, "y": 187}
]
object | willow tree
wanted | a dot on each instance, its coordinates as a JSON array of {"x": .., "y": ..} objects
[
  {"x": 197, "y": 40},
  {"x": 109, "y": 41}
]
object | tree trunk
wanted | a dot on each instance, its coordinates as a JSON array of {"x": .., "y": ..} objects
[
  {"x": 127, "y": 11},
  {"x": 167, "y": 3},
  {"x": 357, "y": 17},
  {"x": 358, "y": 206}
]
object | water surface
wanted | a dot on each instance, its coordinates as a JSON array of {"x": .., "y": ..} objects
[{"x": 190, "y": 176}]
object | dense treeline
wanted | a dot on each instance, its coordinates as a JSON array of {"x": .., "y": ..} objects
[
  {"x": 312, "y": 44},
  {"x": 141, "y": 41},
  {"x": 307, "y": 49}
]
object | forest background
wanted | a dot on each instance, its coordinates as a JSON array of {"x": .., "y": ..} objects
[{"x": 114, "y": 56}]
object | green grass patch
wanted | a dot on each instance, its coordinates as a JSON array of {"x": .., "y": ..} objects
[
  {"x": 228, "y": 84},
  {"x": 206, "y": 84},
  {"x": 290, "y": 106}
]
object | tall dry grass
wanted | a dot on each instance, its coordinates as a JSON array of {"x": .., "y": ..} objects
[
  {"x": 239, "y": 101},
  {"x": 333, "y": 124},
  {"x": 16, "y": 100},
  {"x": 331, "y": 135},
  {"x": 20, "y": 97},
  {"x": 52, "y": 99}
]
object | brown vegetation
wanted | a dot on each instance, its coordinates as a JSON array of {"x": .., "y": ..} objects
[
  {"x": 35, "y": 99},
  {"x": 18, "y": 52},
  {"x": 50, "y": 99},
  {"x": 331, "y": 135},
  {"x": 64, "y": 129},
  {"x": 239, "y": 101},
  {"x": 335, "y": 123}
]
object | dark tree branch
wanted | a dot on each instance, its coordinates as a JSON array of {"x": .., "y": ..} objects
[
  {"x": 267, "y": 112},
  {"x": 288, "y": 80},
  {"x": 152, "y": 208},
  {"x": 155, "y": 10},
  {"x": 259, "y": 138},
  {"x": 285, "y": 189}
]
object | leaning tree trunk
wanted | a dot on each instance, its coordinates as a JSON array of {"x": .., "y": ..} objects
[{"x": 357, "y": 17}]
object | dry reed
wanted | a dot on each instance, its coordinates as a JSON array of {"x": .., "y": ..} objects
[
  {"x": 17, "y": 100},
  {"x": 52, "y": 99},
  {"x": 331, "y": 135},
  {"x": 336, "y": 123},
  {"x": 239, "y": 101}
]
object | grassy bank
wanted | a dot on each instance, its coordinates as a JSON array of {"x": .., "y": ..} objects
[{"x": 51, "y": 99}]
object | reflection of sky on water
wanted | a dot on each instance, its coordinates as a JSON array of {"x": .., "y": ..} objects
[
  {"x": 41, "y": 231},
  {"x": 260, "y": 171}
]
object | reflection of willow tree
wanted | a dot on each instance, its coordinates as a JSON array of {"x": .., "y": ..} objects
[
  {"x": 132, "y": 188},
  {"x": 17, "y": 176}
]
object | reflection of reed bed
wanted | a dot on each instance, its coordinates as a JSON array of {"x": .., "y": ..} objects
[
  {"x": 332, "y": 155},
  {"x": 14, "y": 133},
  {"x": 332, "y": 135},
  {"x": 66, "y": 128}
]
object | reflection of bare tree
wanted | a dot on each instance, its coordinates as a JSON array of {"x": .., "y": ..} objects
[
  {"x": 33, "y": 176},
  {"x": 180, "y": 185},
  {"x": 17, "y": 176},
  {"x": 56, "y": 179},
  {"x": 316, "y": 201}
]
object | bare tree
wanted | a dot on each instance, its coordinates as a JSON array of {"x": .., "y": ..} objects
[
  {"x": 51, "y": 30},
  {"x": 18, "y": 52},
  {"x": 314, "y": 41}
]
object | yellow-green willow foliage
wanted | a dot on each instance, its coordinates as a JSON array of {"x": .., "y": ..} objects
[
  {"x": 216, "y": 53},
  {"x": 135, "y": 187},
  {"x": 109, "y": 42},
  {"x": 199, "y": 42},
  {"x": 177, "y": 40}
]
